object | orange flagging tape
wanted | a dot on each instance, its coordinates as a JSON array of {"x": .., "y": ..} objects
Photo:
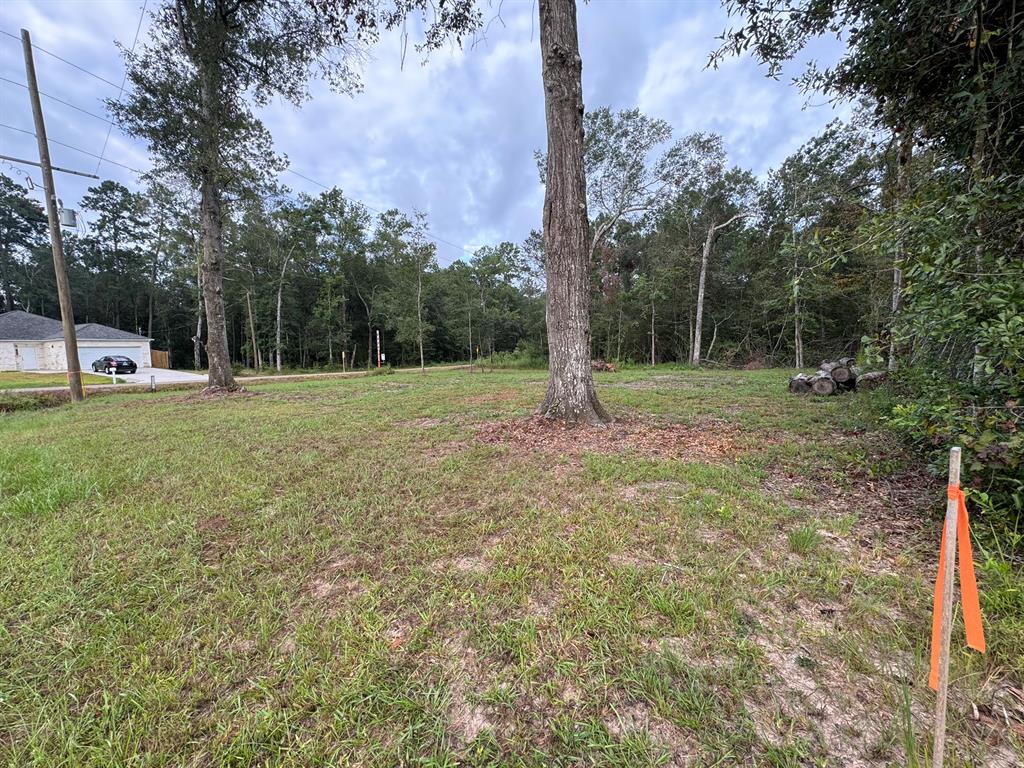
[{"x": 968, "y": 587}]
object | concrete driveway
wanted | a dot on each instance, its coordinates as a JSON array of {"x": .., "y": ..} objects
[{"x": 162, "y": 375}]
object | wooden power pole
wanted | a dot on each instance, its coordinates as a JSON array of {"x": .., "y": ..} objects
[{"x": 67, "y": 315}]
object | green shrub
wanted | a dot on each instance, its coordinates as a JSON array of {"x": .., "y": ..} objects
[
  {"x": 936, "y": 413},
  {"x": 521, "y": 357}
]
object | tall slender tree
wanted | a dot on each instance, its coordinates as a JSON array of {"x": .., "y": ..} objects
[
  {"x": 570, "y": 395},
  {"x": 209, "y": 61}
]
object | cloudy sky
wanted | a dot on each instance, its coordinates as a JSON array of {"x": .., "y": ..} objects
[{"x": 454, "y": 138}]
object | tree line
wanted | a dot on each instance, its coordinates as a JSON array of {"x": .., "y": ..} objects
[{"x": 691, "y": 260}]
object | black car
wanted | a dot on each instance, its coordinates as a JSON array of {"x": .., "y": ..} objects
[{"x": 116, "y": 363}]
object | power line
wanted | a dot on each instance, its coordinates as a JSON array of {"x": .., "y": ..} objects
[
  {"x": 71, "y": 146},
  {"x": 61, "y": 58},
  {"x": 110, "y": 123},
  {"x": 60, "y": 101},
  {"x": 289, "y": 170},
  {"x": 124, "y": 78}
]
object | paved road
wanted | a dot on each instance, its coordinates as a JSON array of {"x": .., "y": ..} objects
[{"x": 162, "y": 376}]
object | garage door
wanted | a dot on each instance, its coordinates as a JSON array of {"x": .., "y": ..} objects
[{"x": 88, "y": 355}]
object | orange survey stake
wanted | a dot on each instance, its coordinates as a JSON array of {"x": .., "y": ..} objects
[{"x": 968, "y": 586}]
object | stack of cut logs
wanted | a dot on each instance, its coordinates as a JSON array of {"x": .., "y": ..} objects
[{"x": 833, "y": 377}]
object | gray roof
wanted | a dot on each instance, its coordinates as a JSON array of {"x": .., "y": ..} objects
[
  {"x": 97, "y": 332},
  {"x": 24, "y": 326}
]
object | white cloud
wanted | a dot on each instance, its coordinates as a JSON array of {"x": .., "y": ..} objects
[{"x": 454, "y": 137}]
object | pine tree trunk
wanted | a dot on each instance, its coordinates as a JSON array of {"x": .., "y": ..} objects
[
  {"x": 152, "y": 276},
  {"x": 570, "y": 394},
  {"x": 652, "y": 331},
  {"x": 709, "y": 242},
  {"x": 197, "y": 340},
  {"x": 419, "y": 316},
  {"x": 252, "y": 335},
  {"x": 220, "y": 373},
  {"x": 798, "y": 339},
  {"x": 902, "y": 190},
  {"x": 977, "y": 173},
  {"x": 277, "y": 333}
]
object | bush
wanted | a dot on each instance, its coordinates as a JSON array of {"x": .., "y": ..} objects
[
  {"x": 521, "y": 357},
  {"x": 936, "y": 413}
]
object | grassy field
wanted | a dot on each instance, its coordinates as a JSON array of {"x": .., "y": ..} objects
[
  {"x": 19, "y": 380},
  {"x": 409, "y": 570}
]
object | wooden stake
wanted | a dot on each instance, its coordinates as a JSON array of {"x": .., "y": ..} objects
[{"x": 948, "y": 574}]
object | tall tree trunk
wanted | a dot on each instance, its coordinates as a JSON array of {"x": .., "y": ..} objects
[
  {"x": 618, "y": 335},
  {"x": 419, "y": 315},
  {"x": 369, "y": 327},
  {"x": 344, "y": 339},
  {"x": 152, "y": 275},
  {"x": 197, "y": 340},
  {"x": 698, "y": 324},
  {"x": 798, "y": 323},
  {"x": 652, "y": 330},
  {"x": 902, "y": 191},
  {"x": 714, "y": 336},
  {"x": 256, "y": 359},
  {"x": 277, "y": 332},
  {"x": 570, "y": 393},
  {"x": 978, "y": 168},
  {"x": 217, "y": 354}
]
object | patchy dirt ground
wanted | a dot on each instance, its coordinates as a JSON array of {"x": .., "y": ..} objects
[{"x": 713, "y": 440}]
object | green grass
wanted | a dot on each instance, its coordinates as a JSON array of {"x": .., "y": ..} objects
[
  {"x": 805, "y": 539},
  {"x": 19, "y": 380},
  {"x": 341, "y": 572}
]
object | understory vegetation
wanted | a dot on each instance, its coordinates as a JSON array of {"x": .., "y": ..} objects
[{"x": 410, "y": 569}]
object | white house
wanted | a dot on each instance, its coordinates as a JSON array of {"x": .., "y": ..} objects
[{"x": 35, "y": 343}]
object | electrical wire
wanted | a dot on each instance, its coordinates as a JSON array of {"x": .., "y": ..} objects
[
  {"x": 61, "y": 58},
  {"x": 110, "y": 123},
  {"x": 70, "y": 146},
  {"x": 124, "y": 79},
  {"x": 60, "y": 101}
]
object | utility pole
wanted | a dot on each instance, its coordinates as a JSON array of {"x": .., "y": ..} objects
[{"x": 67, "y": 315}]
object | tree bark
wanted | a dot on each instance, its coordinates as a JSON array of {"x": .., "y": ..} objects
[
  {"x": 709, "y": 244},
  {"x": 570, "y": 394},
  {"x": 698, "y": 325},
  {"x": 280, "y": 290},
  {"x": 220, "y": 373},
  {"x": 902, "y": 191},
  {"x": 419, "y": 314},
  {"x": 256, "y": 360},
  {"x": 152, "y": 276},
  {"x": 197, "y": 340},
  {"x": 798, "y": 339},
  {"x": 652, "y": 331}
]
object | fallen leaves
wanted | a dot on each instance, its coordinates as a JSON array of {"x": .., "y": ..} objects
[{"x": 712, "y": 440}]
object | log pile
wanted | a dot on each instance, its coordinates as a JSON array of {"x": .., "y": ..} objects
[{"x": 833, "y": 377}]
